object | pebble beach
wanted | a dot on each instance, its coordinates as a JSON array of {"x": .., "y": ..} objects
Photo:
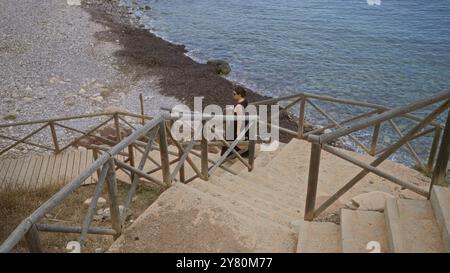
[{"x": 62, "y": 58}]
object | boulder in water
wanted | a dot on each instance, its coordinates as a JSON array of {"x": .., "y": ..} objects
[{"x": 221, "y": 66}]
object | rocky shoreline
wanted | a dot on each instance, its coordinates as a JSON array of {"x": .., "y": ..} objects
[
  {"x": 179, "y": 76},
  {"x": 148, "y": 55},
  {"x": 69, "y": 59}
]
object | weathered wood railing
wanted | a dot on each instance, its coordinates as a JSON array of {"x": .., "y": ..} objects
[
  {"x": 308, "y": 101},
  {"x": 105, "y": 166},
  {"x": 438, "y": 167},
  {"x": 54, "y": 124},
  {"x": 154, "y": 135}
]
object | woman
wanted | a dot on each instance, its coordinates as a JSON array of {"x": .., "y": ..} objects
[{"x": 240, "y": 103}]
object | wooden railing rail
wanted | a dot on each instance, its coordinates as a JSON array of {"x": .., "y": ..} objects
[
  {"x": 438, "y": 167},
  {"x": 157, "y": 134},
  {"x": 307, "y": 100},
  {"x": 105, "y": 167},
  {"x": 387, "y": 115}
]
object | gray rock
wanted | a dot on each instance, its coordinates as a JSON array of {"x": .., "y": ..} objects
[
  {"x": 98, "y": 98},
  {"x": 407, "y": 194},
  {"x": 74, "y": 2},
  {"x": 101, "y": 201},
  {"x": 372, "y": 201},
  {"x": 97, "y": 218},
  {"x": 27, "y": 99},
  {"x": 111, "y": 109},
  {"x": 221, "y": 66},
  {"x": 99, "y": 250},
  {"x": 107, "y": 212},
  {"x": 105, "y": 92},
  {"x": 10, "y": 116}
]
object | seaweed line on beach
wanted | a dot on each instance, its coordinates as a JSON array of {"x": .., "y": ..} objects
[{"x": 144, "y": 54}]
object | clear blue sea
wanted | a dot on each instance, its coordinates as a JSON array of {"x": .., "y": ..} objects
[
  {"x": 391, "y": 53},
  {"x": 388, "y": 52}
]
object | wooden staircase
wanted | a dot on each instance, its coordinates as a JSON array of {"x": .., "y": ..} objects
[
  {"x": 38, "y": 171},
  {"x": 262, "y": 211}
]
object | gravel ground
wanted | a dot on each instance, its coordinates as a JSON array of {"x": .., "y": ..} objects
[
  {"x": 60, "y": 60},
  {"x": 52, "y": 65}
]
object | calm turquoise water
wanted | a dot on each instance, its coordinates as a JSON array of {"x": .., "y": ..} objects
[{"x": 392, "y": 53}]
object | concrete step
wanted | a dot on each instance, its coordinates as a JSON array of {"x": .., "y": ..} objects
[
  {"x": 262, "y": 158},
  {"x": 155, "y": 155},
  {"x": 440, "y": 201},
  {"x": 285, "y": 179},
  {"x": 265, "y": 157},
  {"x": 285, "y": 166},
  {"x": 239, "y": 183},
  {"x": 234, "y": 165},
  {"x": 361, "y": 229},
  {"x": 275, "y": 187},
  {"x": 269, "y": 182},
  {"x": 412, "y": 226},
  {"x": 240, "y": 204},
  {"x": 238, "y": 187},
  {"x": 290, "y": 158},
  {"x": 184, "y": 219},
  {"x": 276, "y": 182},
  {"x": 318, "y": 237}
]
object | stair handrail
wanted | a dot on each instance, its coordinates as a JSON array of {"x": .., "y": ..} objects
[
  {"x": 28, "y": 227},
  {"x": 387, "y": 115},
  {"x": 438, "y": 170},
  {"x": 105, "y": 165},
  {"x": 54, "y": 123}
]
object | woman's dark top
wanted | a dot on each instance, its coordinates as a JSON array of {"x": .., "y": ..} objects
[{"x": 244, "y": 104}]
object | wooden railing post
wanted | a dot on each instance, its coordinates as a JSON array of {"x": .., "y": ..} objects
[
  {"x": 93, "y": 205},
  {"x": 440, "y": 169},
  {"x": 182, "y": 169},
  {"x": 301, "y": 117},
  {"x": 117, "y": 127},
  {"x": 33, "y": 240},
  {"x": 204, "y": 154},
  {"x": 434, "y": 148},
  {"x": 252, "y": 145},
  {"x": 374, "y": 142},
  {"x": 164, "y": 152},
  {"x": 95, "y": 156},
  {"x": 251, "y": 154},
  {"x": 141, "y": 100},
  {"x": 113, "y": 199},
  {"x": 131, "y": 159},
  {"x": 313, "y": 179},
  {"x": 54, "y": 136}
]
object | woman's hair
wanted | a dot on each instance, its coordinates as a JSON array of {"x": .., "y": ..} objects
[{"x": 240, "y": 91}]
